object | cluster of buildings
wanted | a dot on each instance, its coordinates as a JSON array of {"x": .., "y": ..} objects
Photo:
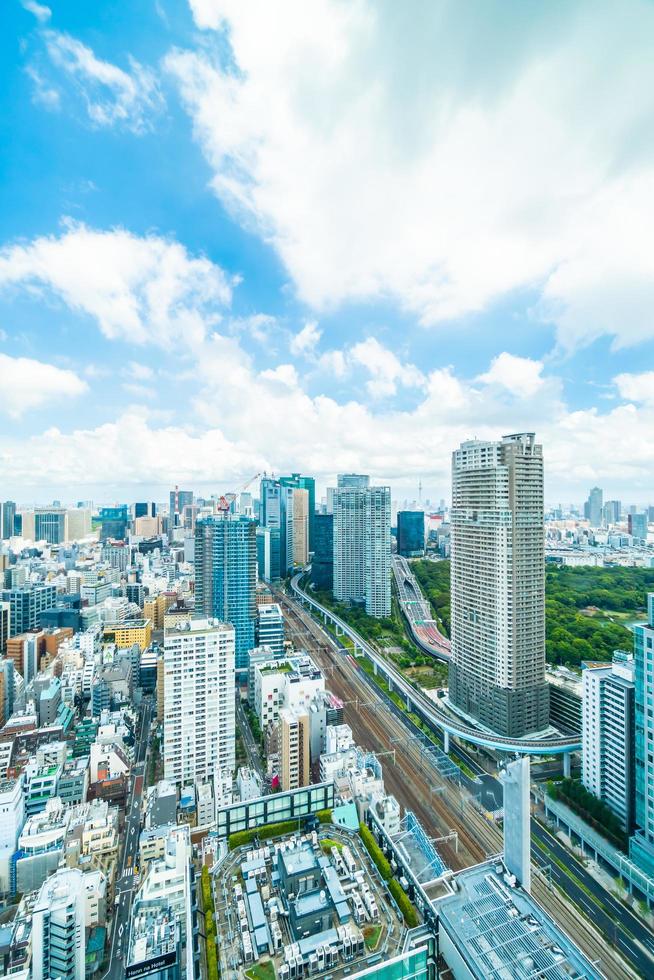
[{"x": 109, "y": 614}]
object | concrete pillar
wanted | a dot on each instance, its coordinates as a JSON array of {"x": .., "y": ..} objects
[
  {"x": 567, "y": 769},
  {"x": 446, "y": 742},
  {"x": 375, "y": 668},
  {"x": 408, "y": 703}
]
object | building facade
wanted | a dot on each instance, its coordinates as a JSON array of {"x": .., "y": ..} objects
[
  {"x": 199, "y": 722},
  {"x": 26, "y": 605},
  {"x": 641, "y": 845},
  {"x": 270, "y": 627},
  {"x": 58, "y": 921},
  {"x": 497, "y": 670},
  {"x": 607, "y": 761},
  {"x": 322, "y": 563},
  {"x": 410, "y": 533},
  {"x": 362, "y": 544},
  {"x": 226, "y": 577}
]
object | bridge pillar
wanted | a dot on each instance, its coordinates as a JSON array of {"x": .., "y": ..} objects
[
  {"x": 375, "y": 668},
  {"x": 408, "y": 703},
  {"x": 339, "y": 630},
  {"x": 446, "y": 742},
  {"x": 567, "y": 764}
]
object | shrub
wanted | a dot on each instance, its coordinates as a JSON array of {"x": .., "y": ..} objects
[
  {"x": 403, "y": 903},
  {"x": 375, "y": 852}
]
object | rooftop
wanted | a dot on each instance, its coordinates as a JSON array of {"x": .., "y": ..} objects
[{"x": 501, "y": 931}]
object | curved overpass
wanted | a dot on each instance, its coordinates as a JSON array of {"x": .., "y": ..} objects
[
  {"x": 417, "y": 612},
  {"x": 419, "y": 701}
]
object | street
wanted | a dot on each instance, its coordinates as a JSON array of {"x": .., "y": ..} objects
[{"x": 128, "y": 850}]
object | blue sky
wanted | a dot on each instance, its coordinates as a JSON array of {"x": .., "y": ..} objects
[{"x": 326, "y": 236}]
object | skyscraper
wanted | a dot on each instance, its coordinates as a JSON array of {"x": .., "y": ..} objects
[
  {"x": 497, "y": 670},
  {"x": 179, "y": 499},
  {"x": 8, "y": 511},
  {"x": 300, "y": 527},
  {"x": 226, "y": 577},
  {"x": 199, "y": 719},
  {"x": 322, "y": 563},
  {"x": 277, "y": 515},
  {"x": 641, "y": 845},
  {"x": 637, "y": 527},
  {"x": 593, "y": 507},
  {"x": 410, "y": 533},
  {"x": 362, "y": 544},
  {"x": 309, "y": 484}
]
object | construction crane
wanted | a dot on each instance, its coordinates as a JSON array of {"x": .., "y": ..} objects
[{"x": 250, "y": 481}]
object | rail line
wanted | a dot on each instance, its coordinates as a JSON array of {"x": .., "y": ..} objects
[{"x": 417, "y": 701}]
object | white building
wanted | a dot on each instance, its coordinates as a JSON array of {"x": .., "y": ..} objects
[
  {"x": 199, "y": 681},
  {"x": 497, "y": 670},
  {"x": 362, "y": 544},
  {"x": 290, "y": 683},
  {"x": 58, "y": 920},
  {"x": 12, "y": 818},
  {"x": 607, "y": 733},
  {"x": 270, "y": 627}
]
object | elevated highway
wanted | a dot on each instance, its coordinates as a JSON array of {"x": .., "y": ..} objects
[
  {"x": 417, "y": 612},
  {"x": 416, "y": 700}
]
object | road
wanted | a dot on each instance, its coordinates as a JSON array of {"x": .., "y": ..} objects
[
  {"x": 128, "y": 849},
  {"x": 613, "y": 920},
  {"x": 251, "y": 747}
]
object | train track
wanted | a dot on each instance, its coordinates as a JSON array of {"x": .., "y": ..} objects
[
  {"x": 411, "y": 779},
  {"x": 440, "y": 806}
]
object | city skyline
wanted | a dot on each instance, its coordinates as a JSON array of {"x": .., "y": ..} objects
[{"x": 177, "y": 263}]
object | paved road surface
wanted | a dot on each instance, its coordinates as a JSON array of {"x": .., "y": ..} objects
[{"x": 128, "y": 848}]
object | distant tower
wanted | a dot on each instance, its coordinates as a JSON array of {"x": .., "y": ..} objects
[{"x": 420, "y": 491}]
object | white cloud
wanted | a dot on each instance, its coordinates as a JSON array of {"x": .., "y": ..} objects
[
  {"x": 246, "y": 421},
  {"x": 305, "y": 340},
  {"x": 284, "y": 374},
  {"x": 636, "y": 387},
  {"x": 333, "y": 361},
  {"x": 138, "y": 289},
  {"x": 39, "y": 10},
  {"x": 444, "y": 172},
  {"x": 519, "y": 375},
  {"x": 43, "y": 93},
  {"x": 113, "y": 96},
  {"x": 139, "y": 372},
  {"x": 386, "y": 369},
  {"x": 28, "y": 384}
]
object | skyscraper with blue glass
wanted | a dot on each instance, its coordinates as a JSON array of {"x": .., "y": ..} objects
[
  {"x": 641, "y": 845},
  {"x": 226, "y": 577}
]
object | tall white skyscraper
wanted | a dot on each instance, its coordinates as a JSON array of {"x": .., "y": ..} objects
[
  {"x": 199, "y": 684},
  {"x": 362, "y": 544},
  {"x": 58, "y": 919},
  {"x": 497, "y": 671}
]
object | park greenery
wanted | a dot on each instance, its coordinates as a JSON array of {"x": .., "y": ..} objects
[
  {"x": 389, "y": 635},
  {"x": 596, "y": 813},
  {"x": 586, "y": 608}
]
